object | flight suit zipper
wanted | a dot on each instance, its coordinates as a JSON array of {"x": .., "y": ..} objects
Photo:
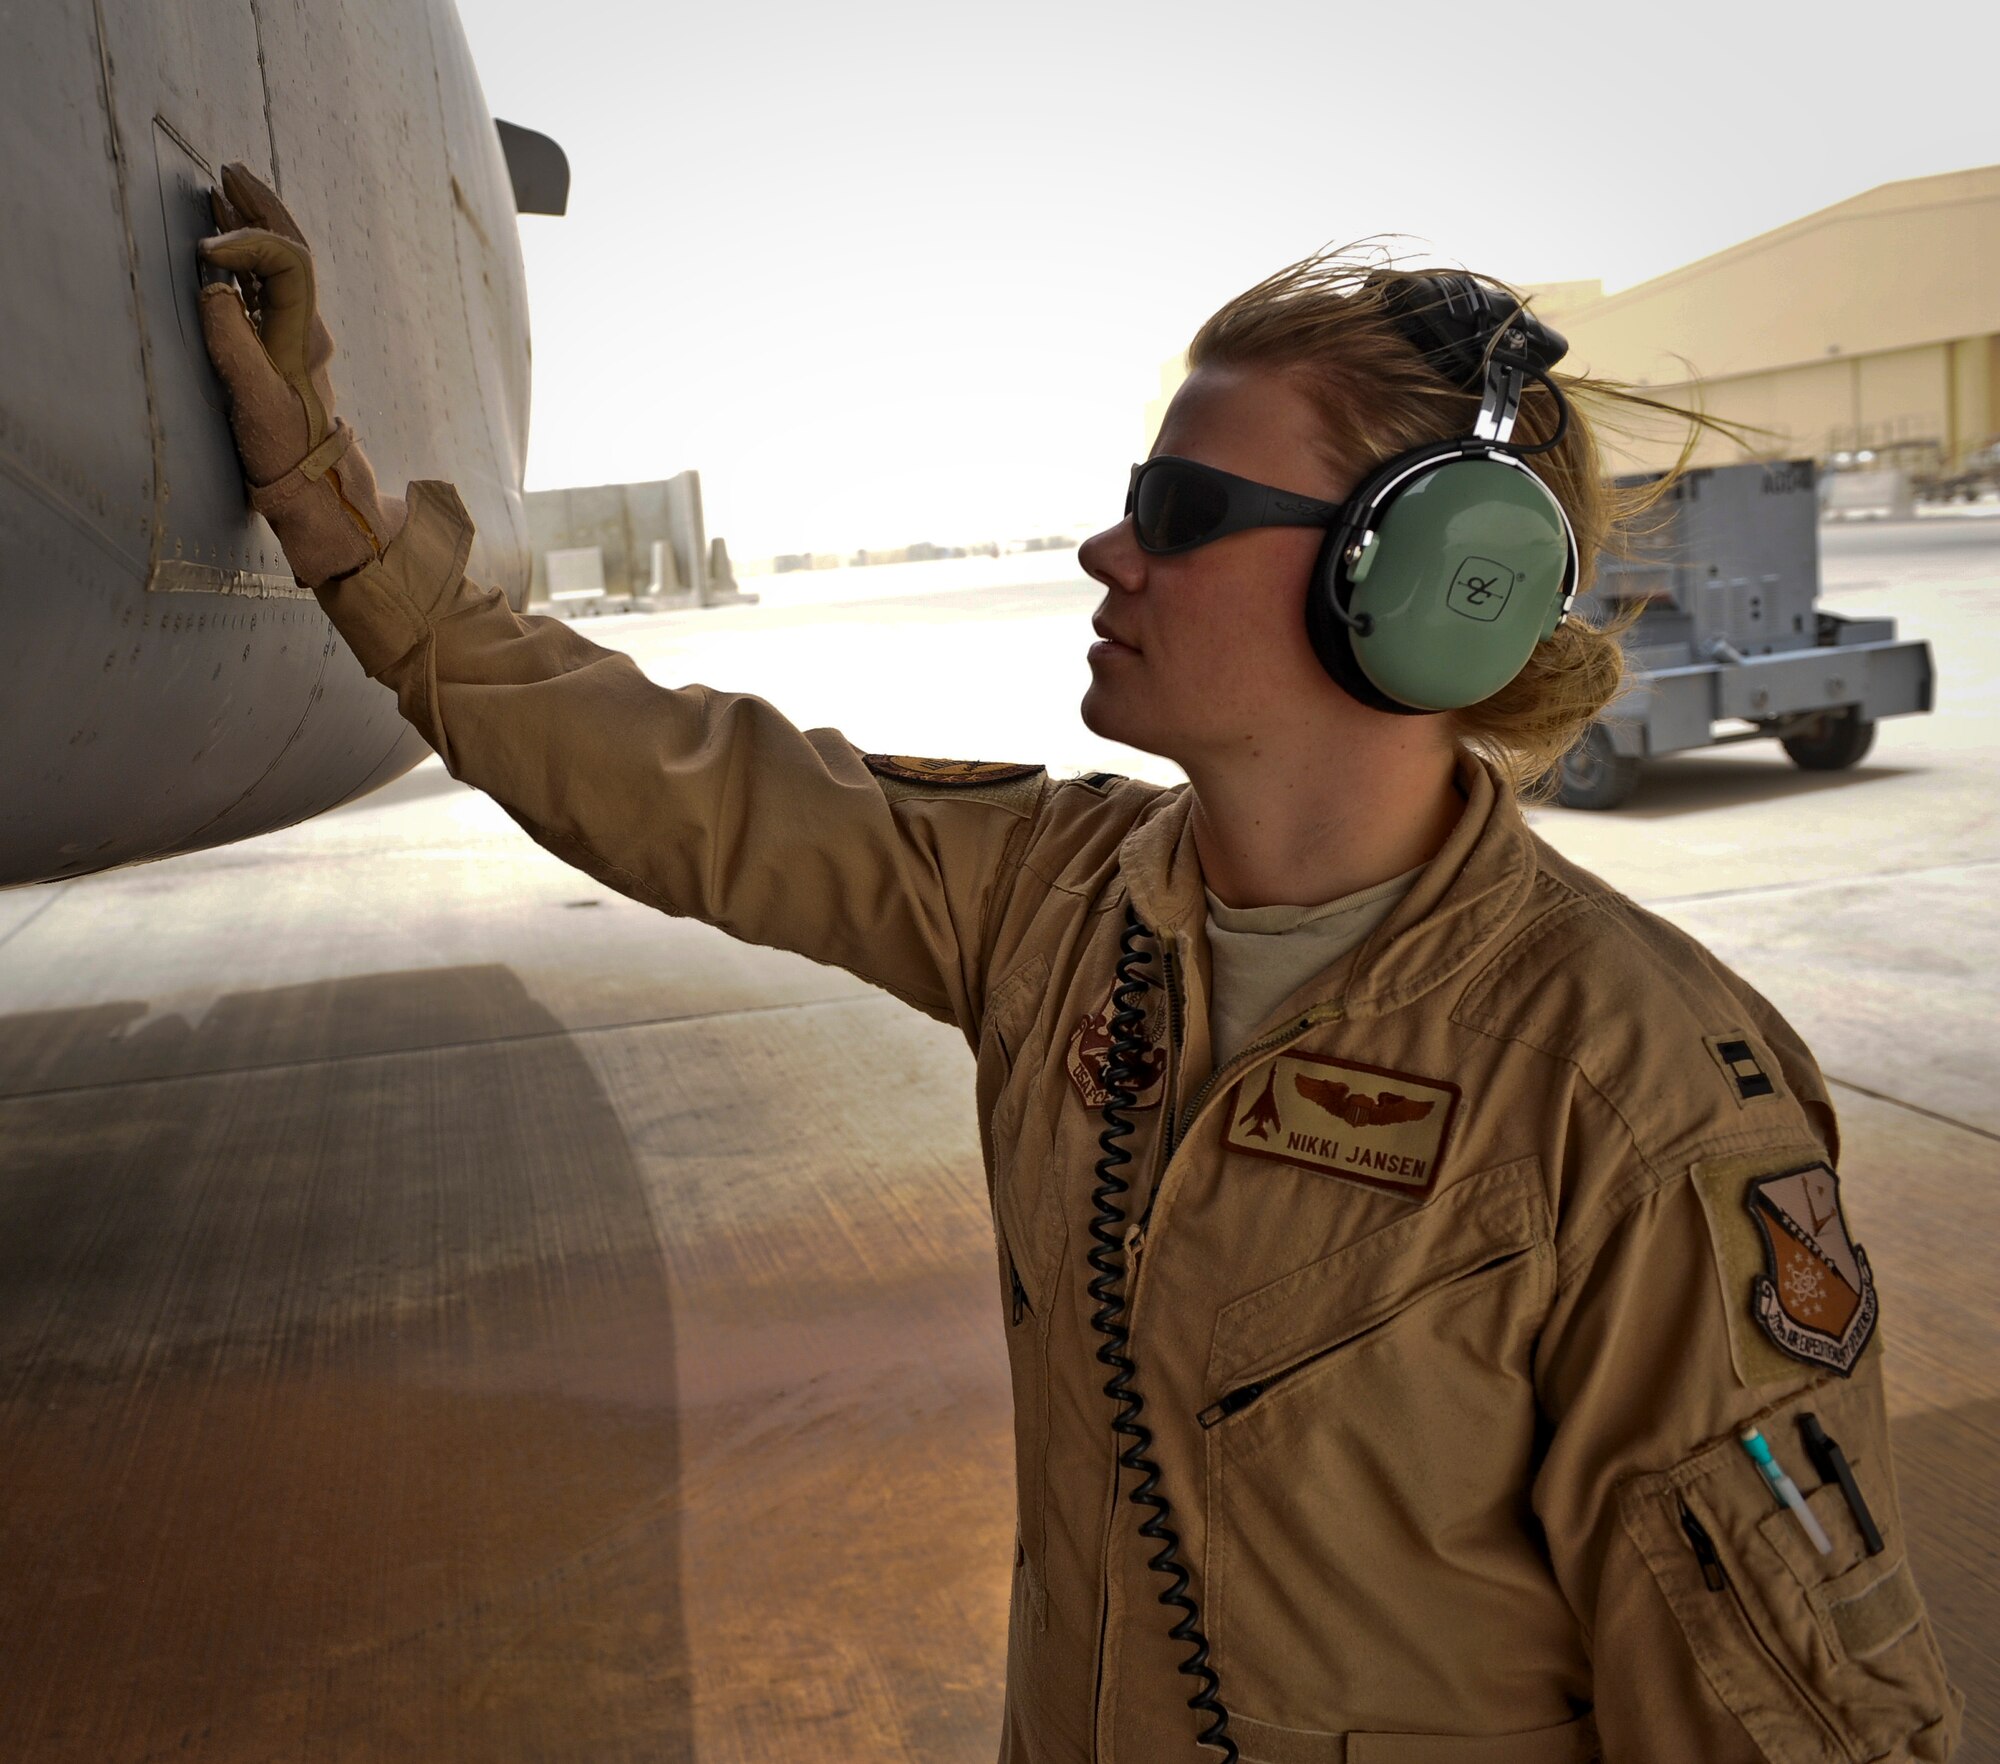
[
  {"x": 1174, "y": 1038},
  {"x": 1179, "y": 1127},
  {"x": 1242, "y": 1062},
  {"x": 1712, "y": 1576},
  {"x": 1135, "y": 1237},
  {"x": 1233, "y": 1403}
]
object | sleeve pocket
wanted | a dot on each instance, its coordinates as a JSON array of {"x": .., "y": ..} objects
[{"x": 1820, "y": 1657}]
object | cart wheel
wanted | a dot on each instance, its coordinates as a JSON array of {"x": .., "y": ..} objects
[
  {"x": 1840, "y": 738},
  {"x": 1595, "y": 775}
]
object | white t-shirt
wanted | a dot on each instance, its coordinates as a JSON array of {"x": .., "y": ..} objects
[{"x": 1260, "y": 956}]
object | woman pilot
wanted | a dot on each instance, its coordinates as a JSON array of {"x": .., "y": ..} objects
[{"x": 1415, "y": 1258}]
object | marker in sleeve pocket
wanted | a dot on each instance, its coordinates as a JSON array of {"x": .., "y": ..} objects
[{"x": 1785, "y": 1489}]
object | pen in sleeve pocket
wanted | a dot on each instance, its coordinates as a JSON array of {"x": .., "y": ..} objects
[{"x": 1831, "y": 1463}]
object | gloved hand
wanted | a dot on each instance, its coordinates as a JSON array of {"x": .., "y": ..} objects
[{"x": 308, "y": 477}]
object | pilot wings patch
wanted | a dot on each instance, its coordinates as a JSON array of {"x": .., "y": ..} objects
[{"x": 1358, "y": 1110}]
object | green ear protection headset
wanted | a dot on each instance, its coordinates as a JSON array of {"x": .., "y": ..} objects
[{"x": 1452, "y": 561}]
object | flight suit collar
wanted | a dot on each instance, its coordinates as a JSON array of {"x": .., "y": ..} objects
[{"x": 1469, "y": 891}]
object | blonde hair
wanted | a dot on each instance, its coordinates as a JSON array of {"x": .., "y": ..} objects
[{"x": 1326, "y": 322}]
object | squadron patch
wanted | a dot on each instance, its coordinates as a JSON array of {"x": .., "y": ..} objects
[
  {"x": 1360, "y": 1123},
  {"x": 944, "y": 771},
  {"x": 1816, "y": 1296},
  {"x": 1089, "y": 1058},
  {"x": 1794, "y": 1286}
]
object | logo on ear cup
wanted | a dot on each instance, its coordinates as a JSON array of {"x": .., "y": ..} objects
[{"x": 1480, "y": 588}]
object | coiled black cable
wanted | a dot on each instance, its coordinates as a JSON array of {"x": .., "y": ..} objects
[{"x": 1121, "y": 1071}]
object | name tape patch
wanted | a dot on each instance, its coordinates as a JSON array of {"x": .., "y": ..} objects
[{"x": 1342, "y": 1118}]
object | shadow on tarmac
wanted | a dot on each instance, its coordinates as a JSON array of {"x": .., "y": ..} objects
[
  {"x": 340, "y": 1415},
  {"x": 129, "y": 1041},
  {"x": 338, "y": 1407}
]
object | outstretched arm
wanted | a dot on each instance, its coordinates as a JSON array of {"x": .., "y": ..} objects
[{"x": 705, "y": 804}]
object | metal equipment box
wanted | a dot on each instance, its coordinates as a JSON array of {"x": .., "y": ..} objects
[{"x": 1732, "y": 631}]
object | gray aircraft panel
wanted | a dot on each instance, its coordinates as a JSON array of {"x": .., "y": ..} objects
[
  {"x": 74, "y": 455},
  {"x": 164, "y": 684}
]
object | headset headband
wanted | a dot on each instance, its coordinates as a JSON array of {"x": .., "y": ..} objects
[
  {"x": 1459, "y": 322},
  {"x": 1471, "y": 332}
]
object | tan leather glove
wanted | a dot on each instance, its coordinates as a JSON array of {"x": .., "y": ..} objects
[{"x": 308, "y": 476}]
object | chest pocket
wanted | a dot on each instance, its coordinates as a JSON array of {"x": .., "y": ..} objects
[
  {"x": 1281, "y": 1330},
  {"x": 1370, "y": 1425}
]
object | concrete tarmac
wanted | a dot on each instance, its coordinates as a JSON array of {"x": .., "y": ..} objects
[{"x": 448, "y": 1311}]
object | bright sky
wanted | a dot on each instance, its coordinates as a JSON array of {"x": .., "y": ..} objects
[{"x": 892, "y": 272}]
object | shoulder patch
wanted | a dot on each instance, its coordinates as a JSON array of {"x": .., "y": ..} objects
[
  {"x": 1816, "y": 1296},
  {"x": 1798, "y": 1289},
  {"x": 1091, "y": 1044},
  {"x": 954, "y": 773}
]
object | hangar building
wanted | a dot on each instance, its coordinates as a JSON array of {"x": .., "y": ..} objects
[{"x": 1870, "y": 325}]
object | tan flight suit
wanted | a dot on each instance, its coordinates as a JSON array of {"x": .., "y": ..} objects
[{"x": 1446, "y": 1315}]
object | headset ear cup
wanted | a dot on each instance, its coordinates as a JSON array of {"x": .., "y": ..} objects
[
  {"x": 1332, "y": 639},
  {"x": 1463, "y": 550}
]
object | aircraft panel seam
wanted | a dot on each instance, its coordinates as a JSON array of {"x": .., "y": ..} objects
[
  {"x": 120, "y": 166},
  {"x": 277, "y": 759},
  {"x": 494, "y": 451},
  {"x": 48, "y": 498},
  {"x": 264, "y": 80}
]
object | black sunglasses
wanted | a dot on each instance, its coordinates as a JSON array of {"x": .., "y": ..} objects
[{"x": 1177, "y": 504}]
